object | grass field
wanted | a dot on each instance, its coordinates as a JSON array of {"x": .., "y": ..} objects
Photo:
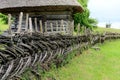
[
  {"x": 101, "y": 30},
  {"x": 92, "y": 65}
]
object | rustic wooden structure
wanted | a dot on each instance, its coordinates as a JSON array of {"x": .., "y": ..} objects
[{"x": 50, "y": 16}]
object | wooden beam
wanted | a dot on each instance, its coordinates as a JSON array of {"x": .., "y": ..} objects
[{"x": 20, "y": 22}]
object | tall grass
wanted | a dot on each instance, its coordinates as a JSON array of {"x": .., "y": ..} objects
[{"x": 103, "y": 64}]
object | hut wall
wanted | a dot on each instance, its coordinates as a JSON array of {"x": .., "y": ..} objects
[{"x": 52, "y": 22}]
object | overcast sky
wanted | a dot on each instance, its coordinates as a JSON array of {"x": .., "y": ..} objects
[{"x": 105, "y": 10}]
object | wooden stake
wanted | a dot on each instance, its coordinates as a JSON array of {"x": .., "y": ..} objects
[
  {"x": 26, "y": 23},
  {"x": 56, "y": 26},
  {"x": 41, "y": 27},
  {"x": 9, "y": 23},
  {"x": 45, "y": 27},
  {"x": 61, "y": 28},
  {"x": 72, "y": 27},
  {"x": 36, "y": 28},
  {"x": 20, "y": 22},
  {"x": 30, "y": 25},
  {"x": 51, "y": 25}
]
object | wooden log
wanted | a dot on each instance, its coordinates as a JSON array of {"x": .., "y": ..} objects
[
  {"x": 41, "y": 27},
  {"x": 20, "y": 22},
  {"x": 9, "y": 23},
  {"x": 36, "y": 28},
  {"x": 30, "y": 26},
  {"x": 26, "y": 22}
]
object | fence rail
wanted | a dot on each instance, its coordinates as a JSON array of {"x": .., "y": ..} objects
[{"x": 26, "y": 50}]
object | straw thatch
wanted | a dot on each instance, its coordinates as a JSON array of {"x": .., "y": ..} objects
[{"x": 6, "y": 5}]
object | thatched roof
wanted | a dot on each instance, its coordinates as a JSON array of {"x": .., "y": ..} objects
[{"x": 7, "y": 5}]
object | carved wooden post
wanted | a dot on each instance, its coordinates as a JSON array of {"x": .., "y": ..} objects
[
  {"x": 36, "y": 28},
  {"x": 26, "y": 22},
  {"x": 30, "y": 25},
  {"x": 41, "y": 27},
  {"x": 20, "y": 22},
  {"x": 9, "y": 23},
  {"x": 51, "y": 25}
]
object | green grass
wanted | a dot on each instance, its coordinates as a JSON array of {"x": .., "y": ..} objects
[
  {"x": 92, "y": 65},
  {"x": 102, "y": 30}
]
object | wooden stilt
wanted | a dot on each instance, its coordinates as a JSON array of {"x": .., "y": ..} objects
[
  {"x": 36, "y": 27},
  {"x": 26, "y": 23},
  {"x": 20, "y": 22},
  {"x": 30, "y": 26},
  {"x": 51, "y": 25},
  {"x": 9, "y": 23},
  {"x": 57, "y": 26},
  {"x": 61, "y": 28},
  {"x": 41, "y": 27},
  {"x": 45, "y": 27}
]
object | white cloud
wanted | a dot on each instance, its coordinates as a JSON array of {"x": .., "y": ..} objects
[{"x": 105, "y": 10}]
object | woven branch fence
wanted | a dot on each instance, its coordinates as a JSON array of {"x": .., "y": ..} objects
[{"x": 26, "y": 50}]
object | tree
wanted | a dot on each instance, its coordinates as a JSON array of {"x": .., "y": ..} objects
[
  {"x": 83, "y": 18},
  {"x": 4, "y": 18}
]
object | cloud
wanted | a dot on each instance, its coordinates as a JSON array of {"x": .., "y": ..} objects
[{"x": 105, "y": 10}]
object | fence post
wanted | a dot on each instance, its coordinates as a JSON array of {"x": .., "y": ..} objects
[
  {"x": 41, "y": 27},
  {"x": 9, "y": 23},
  {"x": 26, "y": 22},
  {"x": 20, "y": 22}
]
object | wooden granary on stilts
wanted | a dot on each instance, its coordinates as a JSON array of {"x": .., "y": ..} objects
[{"x": 45, "y": 16}]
